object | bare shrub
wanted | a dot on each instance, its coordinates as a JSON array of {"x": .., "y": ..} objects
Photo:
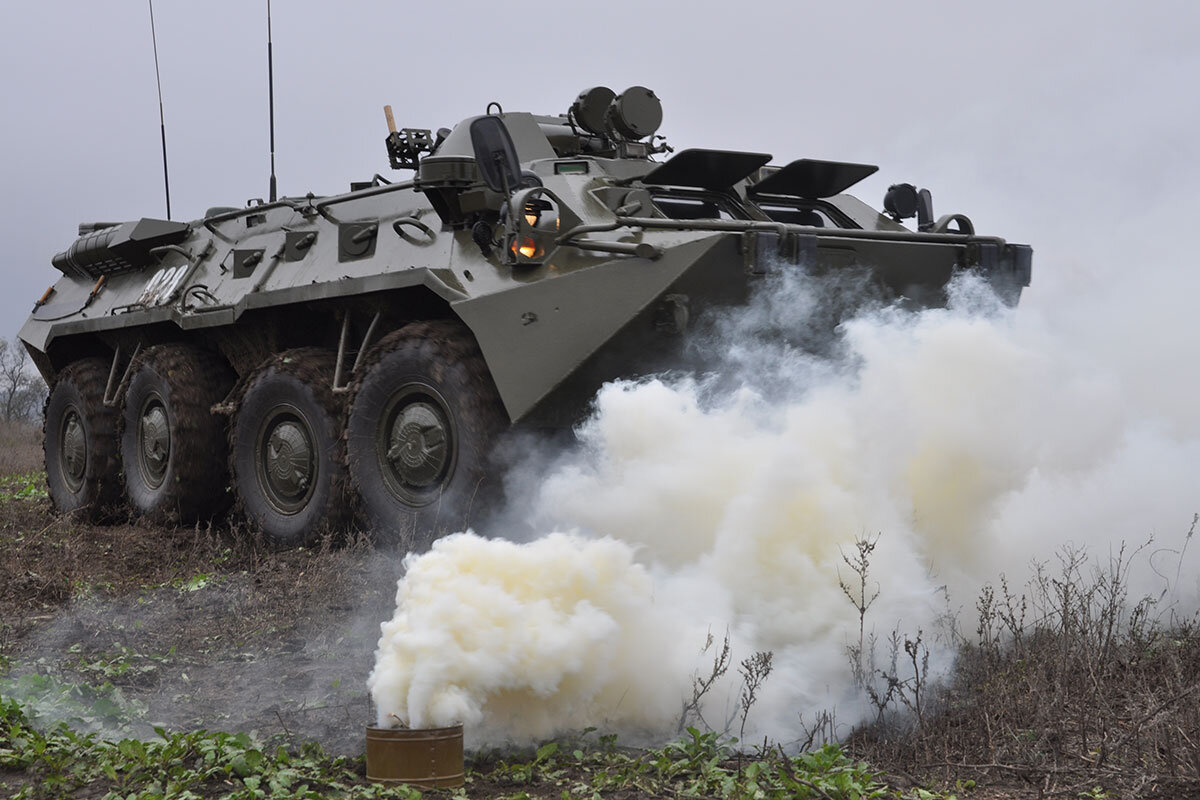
[
  {"x": 22, "y": 390},
  {"x": 754, "y": 670},
  {"x": 823, "y": 730}
]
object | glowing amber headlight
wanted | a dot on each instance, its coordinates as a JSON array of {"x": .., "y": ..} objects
[{"x": 526, "y": 248}]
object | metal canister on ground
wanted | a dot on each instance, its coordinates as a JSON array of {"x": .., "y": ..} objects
[{"x": 429, "y": 758}]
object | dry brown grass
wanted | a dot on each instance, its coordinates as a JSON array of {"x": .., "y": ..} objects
[
  {"x": 1065, "y": 686},
  {"x": 47, "y": 561},
  {"x": 20, "y": 447}
]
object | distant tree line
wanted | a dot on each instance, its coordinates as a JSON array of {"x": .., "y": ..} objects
[{"x": 22, "y": 390}]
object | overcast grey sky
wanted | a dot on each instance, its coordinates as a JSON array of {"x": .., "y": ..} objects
[{"x": 1069, "y": 125}]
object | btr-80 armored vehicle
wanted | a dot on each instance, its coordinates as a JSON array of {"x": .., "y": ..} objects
[{"x": 308, "y": 356}]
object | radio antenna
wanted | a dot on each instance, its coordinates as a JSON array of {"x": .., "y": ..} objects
[
  {"x": 271, "y": 98},
  {"x": 162, "y": 122}
]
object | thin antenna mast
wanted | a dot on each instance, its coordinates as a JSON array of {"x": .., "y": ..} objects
[
  {"x": 162, "y": 122},
  {"x": 271, "y": 98}
]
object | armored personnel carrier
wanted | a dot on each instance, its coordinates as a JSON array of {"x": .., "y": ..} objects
[{"x": 310, "y": 357}]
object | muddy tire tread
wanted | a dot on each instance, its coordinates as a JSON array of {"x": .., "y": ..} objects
[
  {"x": 102, "y": 476},
  {"x": 198, "y": 379},
  {"x": 447, "y": 346},
  {"x": 315, "y": 367}
]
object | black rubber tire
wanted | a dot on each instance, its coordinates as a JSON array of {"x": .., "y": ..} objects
[
  {"x": 437, "y": 364},
  {"x": 179, "y": 383},
  {"x": 294, "y": 388},
  {"x": 89, "y": 483}
]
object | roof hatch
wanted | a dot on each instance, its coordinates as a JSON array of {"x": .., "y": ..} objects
[
  {"x": 811, "y": 179},
  {"x": 706, "y": 169}
]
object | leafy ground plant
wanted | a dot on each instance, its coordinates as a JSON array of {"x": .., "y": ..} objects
[
  {"x": 46, "y": 697},
  {"x": 199, "y": 764},
  {"x": 121, "y": 663},
  {"x": 701, "y": 764},
  {"x": 62, "y": 762}
]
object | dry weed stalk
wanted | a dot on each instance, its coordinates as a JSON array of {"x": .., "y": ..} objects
[
  {"x": 860, "y": 564},
  {"x": 701, "y": 686},
  {"x": 754, "y": 670}
]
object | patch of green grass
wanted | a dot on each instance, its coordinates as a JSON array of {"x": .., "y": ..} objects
[
  {"x": 122, "y": 663},
  {"x": 23, "y": 486},
  {"x": 195, "y": 583},
  {"x": 44, "y": 697},
  {"x": 926, "y": 794}
]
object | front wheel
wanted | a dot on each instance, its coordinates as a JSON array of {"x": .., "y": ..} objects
[{"x": 421, "y": 425}]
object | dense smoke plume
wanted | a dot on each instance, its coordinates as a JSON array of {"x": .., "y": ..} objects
[{"x": 972, "y": 441}]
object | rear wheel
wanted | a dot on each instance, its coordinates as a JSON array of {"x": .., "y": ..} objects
[
  {"x": 424, "y": 416},
  {"x": 80, "y": 441},
  {"x": 286, "y": 448},
  {"x": 172, "y": 445}
]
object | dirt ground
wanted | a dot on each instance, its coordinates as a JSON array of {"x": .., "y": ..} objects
[
  {"x": 209, "y": 628},
  {"x": 193, "y": 628}
]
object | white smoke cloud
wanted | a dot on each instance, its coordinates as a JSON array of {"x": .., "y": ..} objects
[
  {"x": 515, "y": 640},
  {"x": 972, "y": 439}
]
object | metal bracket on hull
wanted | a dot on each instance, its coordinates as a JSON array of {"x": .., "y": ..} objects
[
  {"x": 338, "y": 388},
  {"x": 113, "y": 394}
]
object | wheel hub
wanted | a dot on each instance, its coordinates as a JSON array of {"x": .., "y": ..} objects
[
  {"x": 417, "y": 443},
  {"x": 154, "y": 434},
  {"x": 73, "y": 447},
  {"x": 287, "y": 462}
]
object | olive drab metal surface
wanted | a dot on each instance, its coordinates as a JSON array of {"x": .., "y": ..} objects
[{"x": 560, "y": 251}]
